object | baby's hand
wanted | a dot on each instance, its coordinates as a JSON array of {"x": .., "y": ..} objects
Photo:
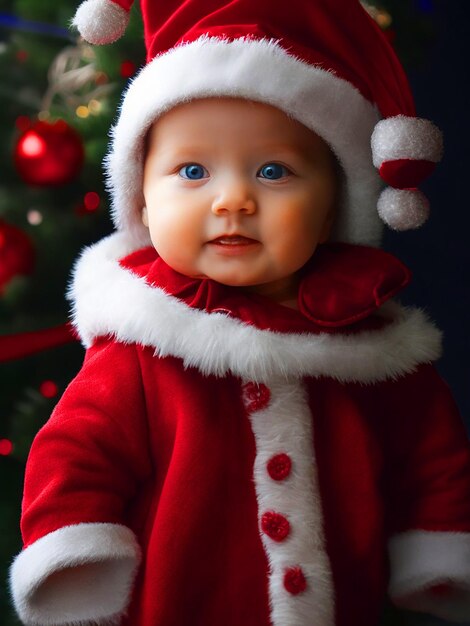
[{"x": 441, "y": 589}]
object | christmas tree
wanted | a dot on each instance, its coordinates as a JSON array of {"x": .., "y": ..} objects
[{"x": 58, "y": 98}]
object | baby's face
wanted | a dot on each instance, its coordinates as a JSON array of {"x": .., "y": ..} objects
[{"x": 237, "y": 192}]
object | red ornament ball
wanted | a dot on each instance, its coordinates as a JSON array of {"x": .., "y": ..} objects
[
  {"x": 91, "y": 201},
  {"x": 128, "y": 69},
  {"x": 49, "y": 154},
  {"x": 6, "y": 447},
  {"x": 48, "y": 389},
  {"x": 17, "y": 254}
]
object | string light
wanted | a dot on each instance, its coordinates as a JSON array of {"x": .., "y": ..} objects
[
  {"x": 95, "y": 106},
  {"x": 384, "y": 19},
  {"x": 427, "y": 6},
  {"x": 22, "y": 56},
  {"x": 34, "y": 217},
  {"x": 6, "y": 447},
  {"x": 82, "y": 111},
  {"x": 91, "y": 201},
  {"x": 48, "y": 389},
  {"x": 379, "y": 14},
  {"x": 128, "y": 69}
]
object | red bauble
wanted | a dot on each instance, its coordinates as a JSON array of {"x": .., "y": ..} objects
[
  {"x": 49, "y": 154},
  {"x": 16, "y": 253}
]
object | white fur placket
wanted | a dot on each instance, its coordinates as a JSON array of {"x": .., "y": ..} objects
[{"x": 282, "y": 425}]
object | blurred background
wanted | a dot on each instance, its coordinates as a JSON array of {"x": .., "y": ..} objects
[{"x": 58, "y": 98}]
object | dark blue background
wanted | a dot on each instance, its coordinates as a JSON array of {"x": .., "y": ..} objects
[{"x": 439, "y": 252}]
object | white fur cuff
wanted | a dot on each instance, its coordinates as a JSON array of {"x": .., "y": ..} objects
[
  {"x": 422, "y": 559},
  {"x": 79, "y": 574}
]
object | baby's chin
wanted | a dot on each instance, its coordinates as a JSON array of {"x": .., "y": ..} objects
[{"x": 224, "y": 278}]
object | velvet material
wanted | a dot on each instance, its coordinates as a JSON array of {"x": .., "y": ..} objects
[
  {"x": 338, "y": 36},
  {"x": 406, "y": 173},
  {"x": 169, "y": 452},
  {"x": 340, "y": 286},
  {"x": 179, "y": 458}
]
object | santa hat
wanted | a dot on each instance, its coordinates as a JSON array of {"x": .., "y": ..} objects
[{"x": 323, "y": 62}]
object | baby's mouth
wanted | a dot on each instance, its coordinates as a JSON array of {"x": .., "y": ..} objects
[{"x": 233, "y": 240}]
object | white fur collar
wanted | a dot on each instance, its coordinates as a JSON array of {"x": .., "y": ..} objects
[{"x": 110, "y": 300}]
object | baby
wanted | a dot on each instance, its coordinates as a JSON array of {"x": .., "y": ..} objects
[
  {"x": 269, "y": 183},
  {"x": 257, "y": 435}
]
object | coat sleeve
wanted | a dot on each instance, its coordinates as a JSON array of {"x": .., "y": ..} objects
[
  {"x": 79, "y": 558},
  {"x": 428, "y": 482}
]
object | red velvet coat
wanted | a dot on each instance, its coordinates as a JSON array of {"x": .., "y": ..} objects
[{"x": 221, "y": 459}]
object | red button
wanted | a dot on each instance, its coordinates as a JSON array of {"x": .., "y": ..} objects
[
  {"x": 275, "y": 525},
  {"x": 256, "y": 396},
  {"x": 294, "y": 580},
  {"x": 279, "y": 466}
]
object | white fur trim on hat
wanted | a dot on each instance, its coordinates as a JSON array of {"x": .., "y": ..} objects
[
  {"x": 100, "y": 21},
  {"x": 403, "y": 209},
  {"x": 219, "y": 344},
  {"x": 99, "y": 558},
  {"x": 263, "y": 71},
  {"x": 420, "y": 559},
  {"x": 402, "y": 137}
]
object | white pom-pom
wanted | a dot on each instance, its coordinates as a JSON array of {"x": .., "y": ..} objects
[
  {"x": 403, "y": 209},
  {"x": 100, "y": 21},
  {"x": 402, "y": 137}
]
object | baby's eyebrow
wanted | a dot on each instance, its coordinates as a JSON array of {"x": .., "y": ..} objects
[
  {"x": 183, "y": 154},
  {"x": 285, "y": 149}
]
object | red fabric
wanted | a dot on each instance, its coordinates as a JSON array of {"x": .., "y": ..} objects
[
  {"x": 169, "y": 452},
  {"x": 400, "y": 462},
  {"x": 406, "y": 173},
  {"x": 341, "y": 287},
  {"x": 336, "y": 35},
  {"x": 138, "y": 440},
  {"x": 124, "y": 4},
  {"x": 346, "y": 283}
]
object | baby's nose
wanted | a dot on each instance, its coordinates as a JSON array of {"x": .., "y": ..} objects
[{"x": 234, "y": 197}]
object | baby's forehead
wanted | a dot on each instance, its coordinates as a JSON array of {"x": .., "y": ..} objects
[{"x": 220, "y": 122}]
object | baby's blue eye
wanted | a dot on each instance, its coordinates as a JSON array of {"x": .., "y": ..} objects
[
  {"x": 273, "y": 171},
  {"x": 193, "y": 171}
]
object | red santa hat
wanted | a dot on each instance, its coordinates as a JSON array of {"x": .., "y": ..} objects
[{"x": 323, "y": 62}]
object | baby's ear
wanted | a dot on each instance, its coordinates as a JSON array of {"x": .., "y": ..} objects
[{"x": 144, "y": 217}]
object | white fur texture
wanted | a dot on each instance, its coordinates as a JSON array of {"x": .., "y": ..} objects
[
  {"x": 403, "y": 209},
  {"x": 420, "y": 559},
  {"x": 100, "y": 21},
  {"x": 97, "y": 565},
  {"x": 402, "y": 137},
  {"x": 260, "y": 71},
  {"x": 285, "y": 426},
  {"x": 109, "y": 300}
]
